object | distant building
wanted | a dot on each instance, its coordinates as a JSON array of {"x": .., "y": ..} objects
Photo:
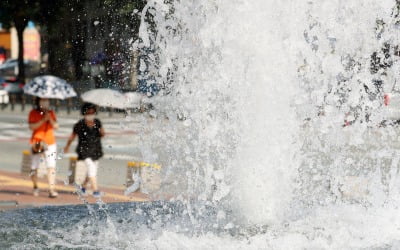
[
  {"x": 9, "y": 42},
  {"x": 31, "y": 43},
  {"x": 5, "y": 45}
]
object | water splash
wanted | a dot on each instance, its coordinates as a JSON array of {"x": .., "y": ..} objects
[
  {"x": 232, "y": 83},
  {"x": 249, "y": 129},
  {"x": 265, "y": 95}
]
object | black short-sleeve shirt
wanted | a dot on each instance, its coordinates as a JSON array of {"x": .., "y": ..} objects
[{"x": 89, "y": 140}]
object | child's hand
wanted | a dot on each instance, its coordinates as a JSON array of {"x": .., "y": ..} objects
[
  {"x": 66, "y": 149},
  {"x": 47, "y": 117}
]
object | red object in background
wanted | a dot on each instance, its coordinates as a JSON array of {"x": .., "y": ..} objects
[
  {"x": 2, "y": 58},
  {"x": 3, "y": 55},
  {"x": 11, "y": 80},
  {"x": 386, "y": 99}
]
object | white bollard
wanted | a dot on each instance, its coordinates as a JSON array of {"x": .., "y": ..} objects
[
  {"x": 26, "y": 164},
  {"x": 143, "y": 176},
  {"x": 77, "y": 171}
]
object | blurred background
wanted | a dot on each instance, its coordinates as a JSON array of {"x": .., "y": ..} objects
[
  {"x": 87, "y": 43},
  {"x": 91, "y": 44}
]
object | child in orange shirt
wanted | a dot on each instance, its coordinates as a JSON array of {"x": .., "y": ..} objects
[{"x": 43, "y": 122}]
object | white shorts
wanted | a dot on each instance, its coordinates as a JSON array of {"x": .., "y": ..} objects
[
  {"x": 49, "y": 157},
  {"x": 91, "y": 167}
]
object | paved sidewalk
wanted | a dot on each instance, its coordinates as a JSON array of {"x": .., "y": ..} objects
[
  {"x": 16, "y": 192},
  {"x": 120, "y": 145}
]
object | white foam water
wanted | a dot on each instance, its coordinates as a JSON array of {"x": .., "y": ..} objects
[
  {"x": 265, "y": 87},
  {"x": 234, "y": 78}
]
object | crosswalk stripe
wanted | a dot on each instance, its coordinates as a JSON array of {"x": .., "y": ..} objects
[{"x": 11, "y": 131}]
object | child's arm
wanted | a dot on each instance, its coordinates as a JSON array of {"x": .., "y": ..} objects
[
  {"x": 36, "y": 125},
  {"x": 70, "y": 140},
  {"x": 102, "y": 133},
  {"x": 51, "y": 118}
]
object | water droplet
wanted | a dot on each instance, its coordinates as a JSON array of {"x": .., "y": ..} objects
[
  {"x": 221, "y": 215},
  {"x": 229, "y": 226},
  {"x": 60, "y": 156},
  {"x": 187, "y": 123},
  {"x": 153, "y": 114}
]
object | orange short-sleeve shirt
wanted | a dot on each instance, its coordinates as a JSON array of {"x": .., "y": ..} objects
[{"x": 45, "y": 132}]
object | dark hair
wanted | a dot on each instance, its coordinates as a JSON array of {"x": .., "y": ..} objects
[
  {"x": 86, "y": 106},
  {"x": 37, "y": 103}
]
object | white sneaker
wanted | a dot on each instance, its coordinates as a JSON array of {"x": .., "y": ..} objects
[
  {"x": 36, "y": 192},
  {"x": 53, "y": 194}
]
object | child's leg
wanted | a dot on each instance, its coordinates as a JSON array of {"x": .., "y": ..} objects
[
  {"x": 93, "y": 183},
  {"x": 51, "y": 158},
  {"x": 34, "y": 178},
  {"x": 34, "y": 169},
  {"x": 85, "y": 182},
  {"x": 51, "y": 178},
  {"x": 92, "y": 172}
]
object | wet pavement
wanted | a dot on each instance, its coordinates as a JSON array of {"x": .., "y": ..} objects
[{"x": 16, "y": 192}]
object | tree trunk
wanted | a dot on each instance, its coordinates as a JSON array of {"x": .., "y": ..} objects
[
  {"x": 20, "y": 26},
  {"x": 78, "y": 52}
]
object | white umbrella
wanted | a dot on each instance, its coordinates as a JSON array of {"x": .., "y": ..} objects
[
  {"x": 49, "y": 87},
  {"x": 133, "y": 99},
  {"x": 105, "y": 97}
]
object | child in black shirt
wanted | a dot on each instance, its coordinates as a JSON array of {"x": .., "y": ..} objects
[{"x": 89, "y": 131}]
